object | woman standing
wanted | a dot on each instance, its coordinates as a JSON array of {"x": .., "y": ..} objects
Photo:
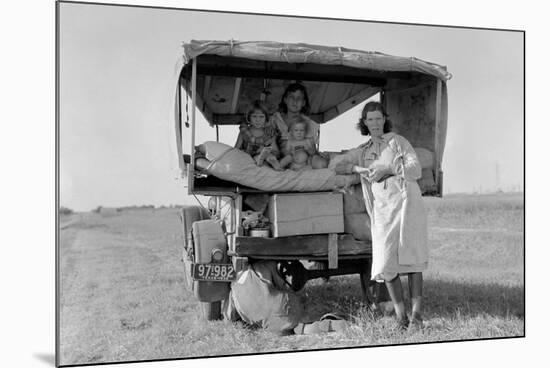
[{"x": 389, "y": 168}]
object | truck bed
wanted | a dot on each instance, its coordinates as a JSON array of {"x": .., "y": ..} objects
[{"x": 303, "y": 246}]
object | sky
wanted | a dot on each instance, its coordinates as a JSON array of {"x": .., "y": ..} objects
[{"x": 116, "y": 80}]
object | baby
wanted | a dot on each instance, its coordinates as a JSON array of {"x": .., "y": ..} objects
[
  {"x": 258, "y": 137},
  {"x": 300, "y": 160},
  {"x": 297, "y": 149}
]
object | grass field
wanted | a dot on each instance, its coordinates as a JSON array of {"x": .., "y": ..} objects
[{"x": 122, "y": 295}]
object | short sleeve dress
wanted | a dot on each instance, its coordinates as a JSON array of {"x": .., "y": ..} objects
[
  {"x": 398, "y": 217},
  {"x": 254, "y": 145}
]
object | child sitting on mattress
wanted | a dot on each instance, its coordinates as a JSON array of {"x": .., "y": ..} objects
[
  {"x": 299, "y": 150},
  {"x": 300, "y": 160},
  {"x": 258, "y": 137}
]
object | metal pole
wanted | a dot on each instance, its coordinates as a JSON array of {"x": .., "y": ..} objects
[
  {"x": 179, "y": 133},
  {"x": 193, "y": 122}
]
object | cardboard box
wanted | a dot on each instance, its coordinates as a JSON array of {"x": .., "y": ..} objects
[{"x": 306, "y": 213}]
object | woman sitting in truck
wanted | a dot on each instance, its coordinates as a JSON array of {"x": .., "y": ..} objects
[{"x": 389, "y": 168}]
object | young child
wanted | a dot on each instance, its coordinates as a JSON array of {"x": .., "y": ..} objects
[
  {"x": 297, "y": 149},
  {"x": 300, "y": 160},
  {"x": 258, "y": 138},
  {"x": 294, "y": 106}
]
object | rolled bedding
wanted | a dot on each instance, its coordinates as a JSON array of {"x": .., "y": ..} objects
[{"x": 231, "y": 164}]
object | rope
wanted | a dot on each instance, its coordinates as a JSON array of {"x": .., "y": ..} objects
[
  {"x": 186, "y": 103},
  {"x": 200, "y": 204}
]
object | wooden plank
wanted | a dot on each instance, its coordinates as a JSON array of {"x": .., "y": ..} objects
[
  {"x": 349, "y": 103},
  {"x": 227, "y": 119},
  {"x": 294, "y": 75},
  {"x": 216, "y": 65},
  {"x": 362, "y": 256},
  {"x": 332, "y": 251},
  {"x": 301, "y": 245},
  {"x": 235, "y": 98}
]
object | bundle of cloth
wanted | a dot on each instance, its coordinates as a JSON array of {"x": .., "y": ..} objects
[{"x": 356, "y": 219}]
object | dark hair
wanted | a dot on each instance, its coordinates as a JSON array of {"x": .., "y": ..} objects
[
  {"x": 293, "y": 87},
  {"x": 369, "y": 107},
  {"x": 256, "y": 105}
]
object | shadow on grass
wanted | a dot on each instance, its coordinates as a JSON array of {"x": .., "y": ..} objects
[{"x": 444, "y": 299}]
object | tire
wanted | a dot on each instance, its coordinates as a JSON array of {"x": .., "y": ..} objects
[
  {"x": 187, "y": 279},
  {"x": 188, "y": 215},
  {"x": 211, "y": 311}
]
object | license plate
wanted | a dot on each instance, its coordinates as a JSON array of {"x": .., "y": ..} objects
[{"x": 212, "y": 272}]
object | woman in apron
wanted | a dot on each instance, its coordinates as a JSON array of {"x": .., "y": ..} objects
[{"x": 389, "y": 168}]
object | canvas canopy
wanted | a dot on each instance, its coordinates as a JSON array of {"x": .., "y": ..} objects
[
  {"x": 232, "y": 74},
  {"x": 223, "y": 78},
  {"x": 307, "y": 53}
]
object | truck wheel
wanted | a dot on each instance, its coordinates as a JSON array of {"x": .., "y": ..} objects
[
  {"x": 211, "y": 311},
  {"x": 188, "y": 215}
]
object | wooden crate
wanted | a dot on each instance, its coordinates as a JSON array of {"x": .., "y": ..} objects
[{"x": 306, "y": 213}]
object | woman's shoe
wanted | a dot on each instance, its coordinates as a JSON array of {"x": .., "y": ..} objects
[
  {"x": 416, "y": 322},
  {"x": 402, "y": 323}
]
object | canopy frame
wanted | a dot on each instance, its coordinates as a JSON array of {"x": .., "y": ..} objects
[{"x": 205, "y": 69}]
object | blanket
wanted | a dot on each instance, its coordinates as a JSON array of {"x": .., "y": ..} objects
[{"x": 231, "y": 164}]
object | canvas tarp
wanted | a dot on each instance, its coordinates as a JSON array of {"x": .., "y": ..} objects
[{"x": 307, "y": 53}]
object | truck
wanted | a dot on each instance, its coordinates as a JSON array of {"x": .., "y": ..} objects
[{"x": 245, "y": 222}]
